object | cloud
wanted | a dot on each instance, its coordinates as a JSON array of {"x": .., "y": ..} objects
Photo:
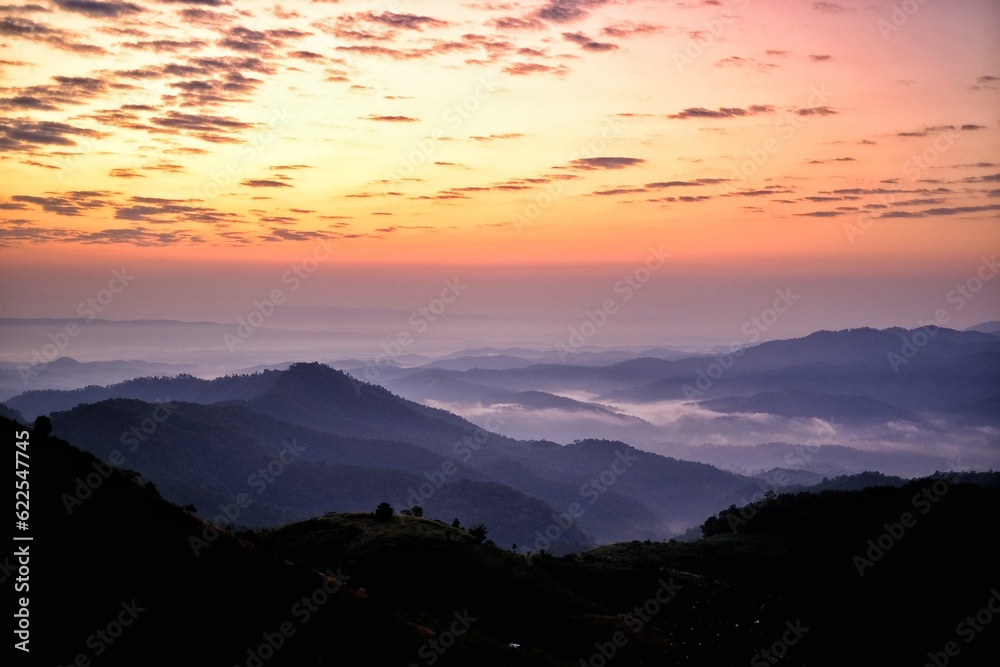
[
  {"x": 821, "y": 214},
  {"x": 686, "y": 184},
  {"x": 210, "y": 3},
  {"x": 125, "y": 173},
  {"x": 63, "y": 40},
  {"x": 831, "y": 8},
  {"x": 404, "y": 21},
  {"x": 567, "y": 11},
  {"x": 372, "y": 26},
  {"x": 26, "y": 102},
  {"x": 99, "y": 9},
  {"x": 593, "y": 163},
  {"x": 72, "y": 203},
  {"x": 816, "y": 111},
  {"x": 138, "y": 236},
  {"x": 526, "y": 69},
  {"x": 822, "y": 58},
  {"x": 761, "y": 192},
  {"x": 264, "y": 183},
  {"x": 165, "y": 45},
  {"x": 25, "y": 9},
  {"x": 961, "y": 209},
  {"x": 627, "y": 29},
  {"x": 587, "y": 43},
  {"x": 923, "y": 132},
  {"x": 262, "y": 42},
  {"x": 620, "y": 191},
  {"x": 723, "y": 112},
  {"x": 280, "y": 234},
  {"x": 391, "y": 119},
  {"x": 160, "y": 210},
  {"x": 18, "y": 134},
  {"x": 739, "y": 61},
  {"x": 495, "y": 137},
  {"x": 516, "y": 23},
  {"x": 202, "y": 126}
]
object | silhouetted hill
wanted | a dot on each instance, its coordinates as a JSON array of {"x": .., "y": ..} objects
[
  {"x": 320, "y": 397},
  {"x": 880, "y": 576},
  {"x": 210, "y": 455},
  {"x": 68, "y": 373},
  {"x": 389, "y": 592},
  {"x": 309, "y": 400},
  {"x": 551, "y": 609},
  {"x": 855, "y": 410},
  {"x": 951, "y": 373},
  {"x": 11, "y": 414},
  {"x": 124, "y": 555},
  {"x": 826, "y": 460},
  {"x": 991, "y": 327}
]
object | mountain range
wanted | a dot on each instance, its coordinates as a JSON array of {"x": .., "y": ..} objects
[
  {"x": 823, "y": 578},
  {"x": 341, "y": 444}
]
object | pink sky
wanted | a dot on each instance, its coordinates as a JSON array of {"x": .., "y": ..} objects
[{"x": 537, "y": 150}]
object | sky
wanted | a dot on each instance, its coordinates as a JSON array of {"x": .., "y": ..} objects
[{"x": 663, "y": 170}]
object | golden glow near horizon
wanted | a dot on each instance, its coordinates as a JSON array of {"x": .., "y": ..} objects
[{"x": 556, "y": 131}]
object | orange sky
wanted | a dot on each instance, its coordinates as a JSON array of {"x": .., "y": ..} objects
[{"x": 837, "y": 139}]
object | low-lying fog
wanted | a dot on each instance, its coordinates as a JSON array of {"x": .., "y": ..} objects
[{"x": 680, "y": 428}]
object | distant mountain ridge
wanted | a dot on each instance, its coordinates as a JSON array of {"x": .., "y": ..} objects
[{"x": 228, "y": 414}]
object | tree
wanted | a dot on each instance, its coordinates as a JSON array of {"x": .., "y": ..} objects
[
  {"x": 383, "y": 512},
  {"x": 456, "y": 524},
  {"x": 417, "y": 510},
  {"x": 43, "y": 426},
  {"x": 478, "y": 531}
]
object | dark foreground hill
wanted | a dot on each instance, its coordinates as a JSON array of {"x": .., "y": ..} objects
[
  {"x": 126, "y": 578},
  {"x": 886, "y": 575},
  {"x": 117, "y": 580}
]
